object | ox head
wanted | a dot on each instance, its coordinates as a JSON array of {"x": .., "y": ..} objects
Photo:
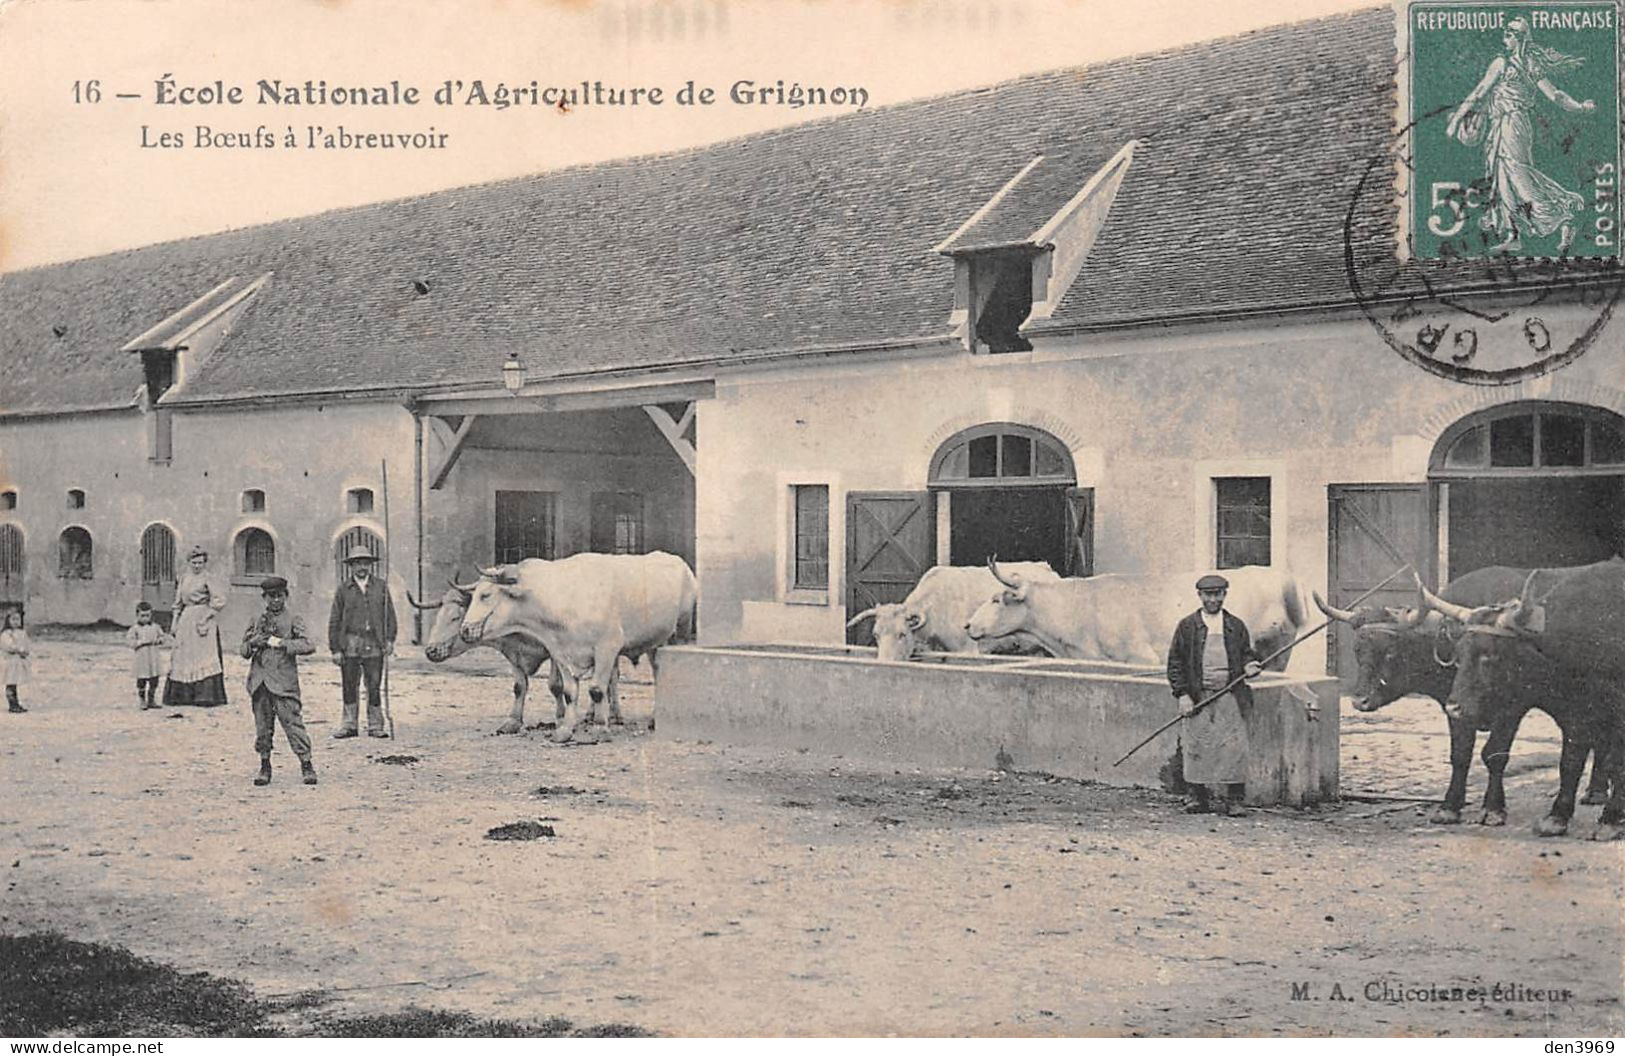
[
  {"x": 443, "y": 640},
  {"x": 1492, "y": 656},
  {"x": 896, "y": 630},
  {"x": 1394, "y": 650},
  {"x": 1004, "y": 613},
  {"x": 489, "y": 599}
]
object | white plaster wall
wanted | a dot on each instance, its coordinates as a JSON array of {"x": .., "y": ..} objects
[{"x": 1150, "y": 418}]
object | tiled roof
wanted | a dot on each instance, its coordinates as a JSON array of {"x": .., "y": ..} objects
[{"x": 820, "y": 235}]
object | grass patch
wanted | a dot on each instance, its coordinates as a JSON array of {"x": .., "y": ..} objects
[{"x": 50, "y": 984}]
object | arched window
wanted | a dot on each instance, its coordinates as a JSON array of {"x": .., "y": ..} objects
[
  {"x": 75, "y": 559},
  {"x": 1002, "y": 455},
  {"x": 254, "y": 553},
  {"x": 1532, "y": 438},
  {"x": 357, "y": 536}
]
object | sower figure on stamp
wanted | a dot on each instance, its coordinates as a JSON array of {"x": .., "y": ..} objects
[
  {"x": 360, "y": 633},
  {"x": 1210, "y": 649},
  {"x": 273, "y": 644},
  {"x": 1523, "y": 199}
]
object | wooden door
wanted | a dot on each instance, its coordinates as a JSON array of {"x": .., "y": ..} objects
[
  {"x": 890, "y": 542},
  {"x": 158, "y": 572},
  {"x": 1374, "y": 529},
  {"x": 525, "y": 525},
  {"x": 1080, "y": 533}
]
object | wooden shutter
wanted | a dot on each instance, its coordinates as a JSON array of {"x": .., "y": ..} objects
[
  {"x": 1373, "y": 529},
  {"x": 1080, "y": 533},
  {"x": 890, "y": 542}
]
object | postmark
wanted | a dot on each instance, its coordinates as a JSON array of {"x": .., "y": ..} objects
[{"x": 1505, "y": 171}]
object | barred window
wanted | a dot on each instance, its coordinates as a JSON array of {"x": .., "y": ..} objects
[
  {"x": 255, "y": 552},
  {"x": 811, "y": 564},
  {"x": 1243, "y": 521},
  {"x": 75, "y": 555}
]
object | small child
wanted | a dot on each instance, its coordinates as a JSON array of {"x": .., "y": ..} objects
[
  {"x": 145, "y": 638},
  {"x": 14, "y": 650}
]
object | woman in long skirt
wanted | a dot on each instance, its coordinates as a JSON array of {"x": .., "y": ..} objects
[{"x": 196, "y": 673}]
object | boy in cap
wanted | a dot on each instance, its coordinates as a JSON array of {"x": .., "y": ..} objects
[
  {"x": 1211, "y": 649},
  {"x": 272, "y": 644},
  {"x": 360, "y": 633}
]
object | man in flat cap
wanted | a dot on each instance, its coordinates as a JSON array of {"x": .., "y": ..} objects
[
  {"x": 360, "y": 633},
  {"x": 272, "y": 645},
  {"x": 1211, "y": 649}
]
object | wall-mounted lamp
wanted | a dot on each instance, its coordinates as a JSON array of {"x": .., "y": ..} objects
[{"x": 513, "y": 373}]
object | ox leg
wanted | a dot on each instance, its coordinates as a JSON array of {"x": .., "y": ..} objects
[
  {"x": 1496, "y": 750},
  {"x": 569, "y": 693},
  {"x": 1611, "y": 825},
  {"x": 1556, "y": 821},
  {"x": 615, "y": 694},
  {"x": 1602, "y": 765},
  {"x": 521, "y": 687},
  {"x": 1461, "y": 761},
  {"x": 555, "y": 686},
  {"x": 606, "y": 661}
]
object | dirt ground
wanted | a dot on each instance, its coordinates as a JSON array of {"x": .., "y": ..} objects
[{"x": 706, "y": 889}]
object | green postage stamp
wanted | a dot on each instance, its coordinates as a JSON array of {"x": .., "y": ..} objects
[{"x": 1510, "y": 129}]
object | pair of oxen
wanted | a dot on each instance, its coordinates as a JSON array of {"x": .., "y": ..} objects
[
  {"x": 1491, "y": 646},
  {"x": 583, "y": 612}
]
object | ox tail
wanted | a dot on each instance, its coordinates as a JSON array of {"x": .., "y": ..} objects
[{"x": 1300, "y": 614}]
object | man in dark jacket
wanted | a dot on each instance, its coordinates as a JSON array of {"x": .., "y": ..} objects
[
  {"x": 360, "y": 633},
  {"x": 272, "y": 645},
  {"x": 1211, "y": 649}
]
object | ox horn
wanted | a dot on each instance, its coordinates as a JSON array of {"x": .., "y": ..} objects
[
  {"x": 1459, "y": 613},
  {"x": 1341, "y": 615},
  {"x": 993, "y": 567},
  {"x": 864, "y": 615},
  {"x": 464, "y": 588},
  {"x": 416, "y": 604}
]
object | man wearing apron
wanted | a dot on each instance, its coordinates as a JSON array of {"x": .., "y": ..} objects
[{"x": 1212, "y": 648}]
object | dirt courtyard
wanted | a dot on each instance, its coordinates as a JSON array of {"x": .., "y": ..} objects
[{"x": 706, "y": 889}]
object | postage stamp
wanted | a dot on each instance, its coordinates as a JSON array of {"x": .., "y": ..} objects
[{"x": 1512, "y": 114}]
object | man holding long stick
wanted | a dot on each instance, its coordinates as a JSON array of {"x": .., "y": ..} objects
[
  {"x": 361, "y": 633},
  {"x": 1212, "y": 649}
]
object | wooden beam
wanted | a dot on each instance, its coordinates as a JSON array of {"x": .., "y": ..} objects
[
  {"x": 674, "y": 432},
  {"x": 453, "y": 452},
  {"x": 588, "y": 400}
]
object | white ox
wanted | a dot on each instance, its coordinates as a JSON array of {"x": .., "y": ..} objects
[
  {"x": 1131, "y": 619},
  {"x": 525, "y": 655},
  {"x": 933, "y": 616},
  {"x": 587, "y": 611}
]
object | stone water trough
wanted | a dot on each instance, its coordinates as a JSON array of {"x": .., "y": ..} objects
[{"x": 1070, "y": 718}]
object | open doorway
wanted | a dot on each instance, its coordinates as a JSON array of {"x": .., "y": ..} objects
[{"x": 1012, "y": 524}]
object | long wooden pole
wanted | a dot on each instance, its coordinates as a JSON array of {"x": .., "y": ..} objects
[
  {"x": 383, "y": 472},
  {"x": 1234, "y": 682}
]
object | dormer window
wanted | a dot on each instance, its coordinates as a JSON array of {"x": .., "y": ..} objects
[{"x": 1001, "y": 286}]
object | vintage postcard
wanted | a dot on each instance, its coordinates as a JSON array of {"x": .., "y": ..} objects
[{"x": 691, "y": 518}]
